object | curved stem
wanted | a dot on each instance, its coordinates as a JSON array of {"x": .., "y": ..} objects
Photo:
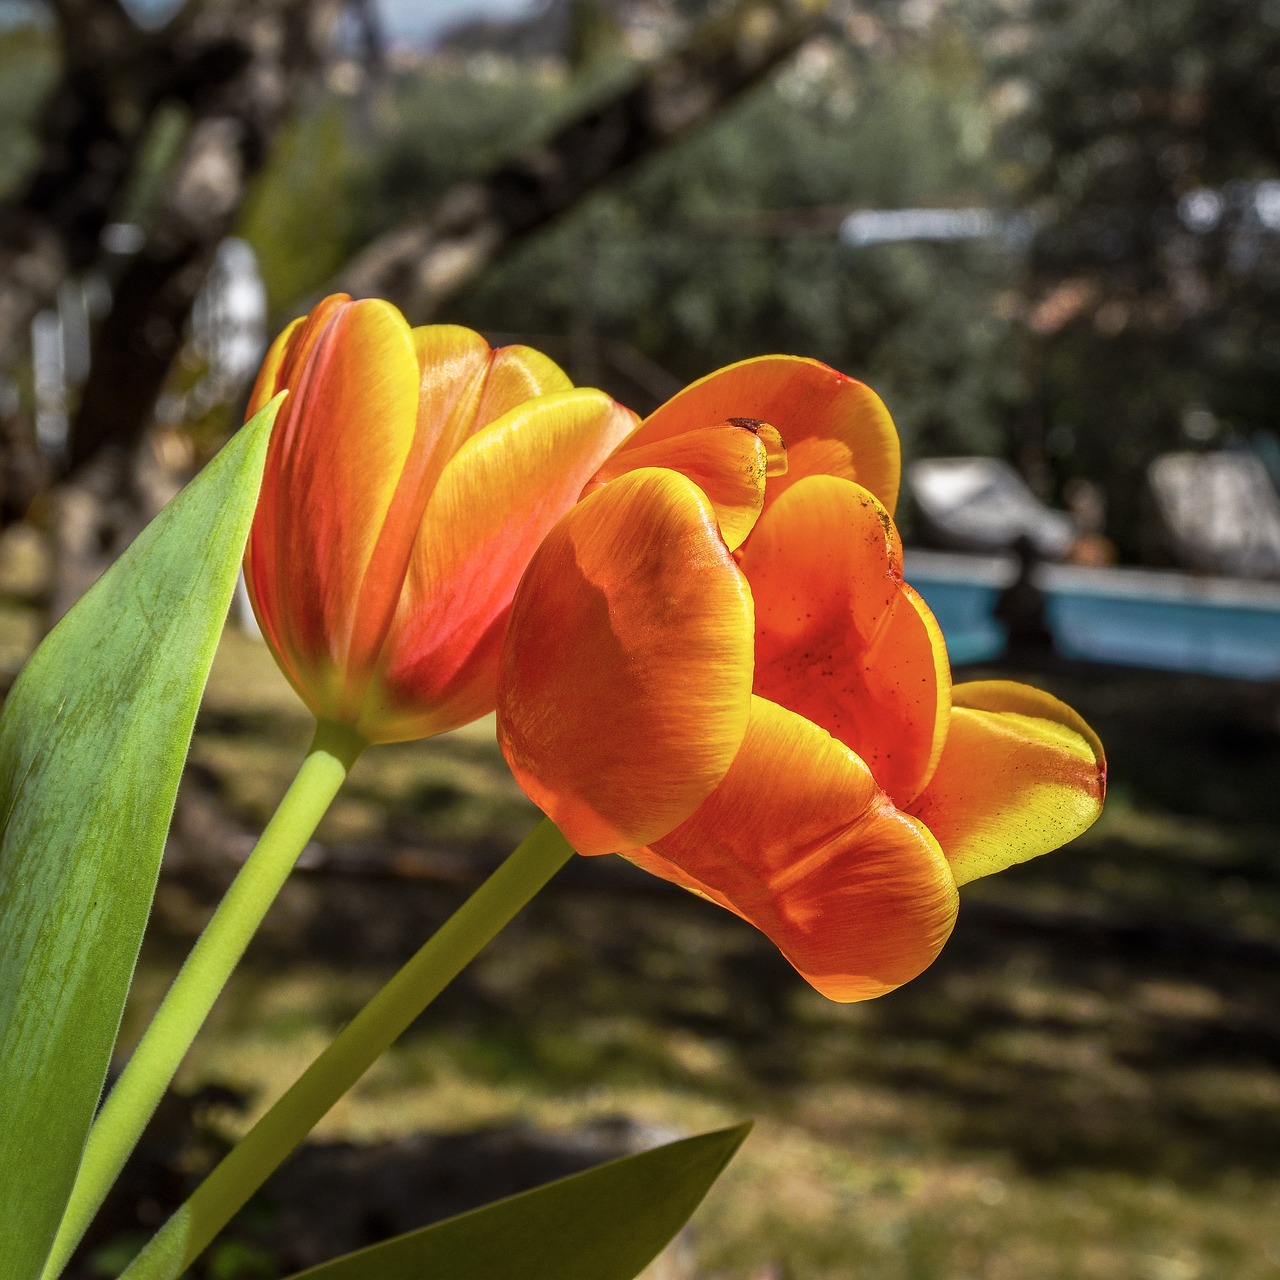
[
  {"x": 181, "y": 1014},
  {"x": 355, "y": 1049}
]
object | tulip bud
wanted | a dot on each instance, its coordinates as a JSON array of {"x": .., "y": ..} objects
[{"x": 410, "y": 477}]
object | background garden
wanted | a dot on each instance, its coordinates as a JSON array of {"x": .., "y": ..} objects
[{"x": 1087, "y": 1082}]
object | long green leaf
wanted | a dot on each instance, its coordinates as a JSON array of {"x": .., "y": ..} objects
[
  {"x": 606, "y": 1224},
  {"x": 92, "y": 743}
]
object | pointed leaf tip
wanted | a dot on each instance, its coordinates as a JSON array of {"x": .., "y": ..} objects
[{"x": 608, "y": 1223}]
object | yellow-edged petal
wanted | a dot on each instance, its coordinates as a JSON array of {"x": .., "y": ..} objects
[
  {"x": 625, "y": 679},
  {"x": 454, "y": 367},
  {"x": 832, "y": 424},
  {"x": 1020, "y": 775},
  {"x": 799, "y": 840},
  {"x": 267, "y": 385},
  {"x": 463, "y": 386},
  {"x": 494, "y": 503},
  {"x": 840, "y": 638},
  {"x": 728, "y": 462},
  {"x": 517, "y": 374},
  {"x": 336, "y": 457}
]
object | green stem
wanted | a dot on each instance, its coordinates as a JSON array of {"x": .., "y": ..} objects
[
  {"x": 355, "y": 1049},
  {"x": 180, "y": 1016}
]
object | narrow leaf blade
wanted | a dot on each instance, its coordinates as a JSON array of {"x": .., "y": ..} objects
[
  {"x": 92, "y": 742},
  {"x": 606, "y": 1224}
]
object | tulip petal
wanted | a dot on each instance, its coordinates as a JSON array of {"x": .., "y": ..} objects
[
  {"x": 832, "y": 424},
  {"x": 267, "y": 385},
  {"x": 453, "y": 363},
  {"x": 517, "y": 374},
  {"x": 285, "y": 358},
  {"x": 840, "y": 637},
  {"x": 800, "y": 841},
  {"x": 626, "y": 675},
  {"x": 494, "y": 503},
  {"x": 336, "y": 457},
  {"x": 466, "y": 386},
  {"x": 1020, "y": 775},
  {"x": 727, "y": 462}
]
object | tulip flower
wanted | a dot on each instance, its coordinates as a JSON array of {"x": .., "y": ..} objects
[
  {"x": 410, "y": 475},
  {"x": 717, "y": 670}
]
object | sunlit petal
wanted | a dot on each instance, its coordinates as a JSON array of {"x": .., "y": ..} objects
[
  {"x": 268, "y": 383},
  {"x": 800, "y": 841},
  {"x": 336, "y": 457},
  {"x": 832, "y": 424},
  {"x": 497, "y": 498},
  {"x": 454, "y": 368},
  {"x": 453, "y": 363},
  {"x": 626, "y": 675},
  {"x": 1020, "y": 775},
  {"x": 728, "y": 462},
  {"x": 517, "y": 374},
  {"x": 840, "y": 637}
]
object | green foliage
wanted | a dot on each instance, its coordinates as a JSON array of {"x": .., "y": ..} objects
[
  {"x": 686, "y": 260},
  {"x": 92, "y": 743},
  {"x": 28, "y": 62},
  {"x": 302, "y": 214},
  {"x": 160, "y": 152},
  {"x": 680, "y": 258},
  {"x": 434, "y": 129},
  {"x": 608, "y": 1223},
  {"x": 342, "y": 171},
  {"x": 438, "y": 129}
]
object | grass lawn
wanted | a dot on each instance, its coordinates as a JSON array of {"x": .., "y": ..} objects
[{"x": 1085, "y": 1085}]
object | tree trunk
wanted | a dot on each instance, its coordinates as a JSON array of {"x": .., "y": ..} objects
[
  {"x": 234, "y": 126},
  {"x": 92, "y": 131},
  {"x": 238, "y": 66},
  {"x": 89, "y": 133}
]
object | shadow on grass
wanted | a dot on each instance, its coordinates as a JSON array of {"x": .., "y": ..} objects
[{"x": 1110, "y": 1007}]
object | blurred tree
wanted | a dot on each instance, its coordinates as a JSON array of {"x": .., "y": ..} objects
[
  {"x": 1147, "y": 136},
  {"x": 228, "y": 71},
  {"x": 1138, "y": 136},
  {"x": 727, "y": 244},
  {"x": 88, "y": 136},
  {"x": 422, "y": 264},
  {"x": 265, "y": 51},
  {"x": 213, "y": 86},
  {"x": 232, "y": 128}
]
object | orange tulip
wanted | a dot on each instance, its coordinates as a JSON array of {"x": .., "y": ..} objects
[
  {"x": 774, "y": 727},
  {"x": 410, "y": 475}
]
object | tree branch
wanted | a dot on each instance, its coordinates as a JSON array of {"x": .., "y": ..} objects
[{"x": 421, "y": 265}]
